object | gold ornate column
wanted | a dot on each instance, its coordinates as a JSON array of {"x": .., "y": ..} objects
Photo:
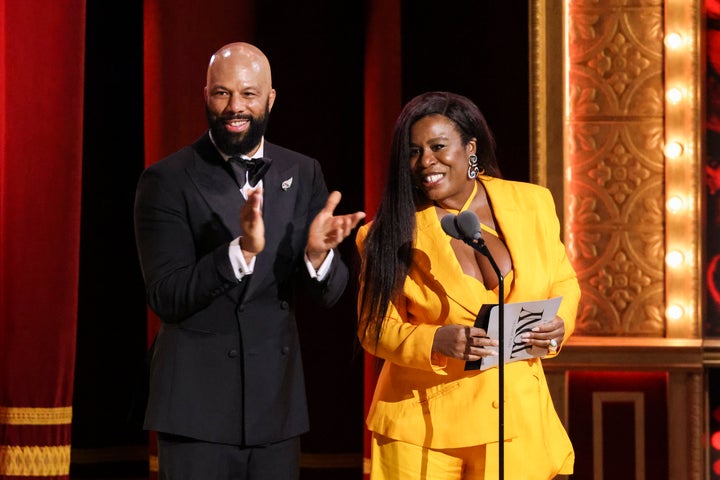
[{"x": 617, "y": 136}]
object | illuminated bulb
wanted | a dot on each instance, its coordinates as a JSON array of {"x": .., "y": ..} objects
[
  {"x": 674, "y": 259},
  {"x": 675, "y": 204},
  {"x": 674, "y": 95},
  {"x": 674, "y": 40},
  {"x": 674, "y": 312},
  {"x": 673, "y": 150}
]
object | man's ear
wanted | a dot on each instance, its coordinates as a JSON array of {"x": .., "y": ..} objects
[{"x": 271, "y": 99}]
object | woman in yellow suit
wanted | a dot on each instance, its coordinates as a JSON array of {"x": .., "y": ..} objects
[{"x": 420, "y": 292}]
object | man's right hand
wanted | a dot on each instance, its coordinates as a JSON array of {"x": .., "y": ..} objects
[{"x": 252, "y": 241}]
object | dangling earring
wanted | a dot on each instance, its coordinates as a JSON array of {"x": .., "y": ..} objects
[{"x": 473, "y": 168}]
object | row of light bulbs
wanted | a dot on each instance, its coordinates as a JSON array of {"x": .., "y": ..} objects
[{"x": 679, "y": 255}]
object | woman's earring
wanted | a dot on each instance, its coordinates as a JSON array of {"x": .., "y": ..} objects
[{"x": 473, "y": 168}]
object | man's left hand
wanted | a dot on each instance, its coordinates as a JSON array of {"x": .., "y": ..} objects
[{"x": 328, "y": 230}]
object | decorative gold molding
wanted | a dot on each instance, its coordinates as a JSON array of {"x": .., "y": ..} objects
[
  {"x": 546, "y": 97},
  {"x": 628, "y": 353}
]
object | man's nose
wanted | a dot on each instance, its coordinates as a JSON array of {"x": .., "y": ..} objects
[{"x": 236, "y": 104}]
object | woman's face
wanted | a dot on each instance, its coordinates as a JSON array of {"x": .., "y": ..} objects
[{"x": 439, "y": 161}]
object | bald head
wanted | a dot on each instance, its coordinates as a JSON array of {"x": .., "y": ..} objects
[
  {"x": 241, "y": 58},
  {"x": 239, "y": 97}
]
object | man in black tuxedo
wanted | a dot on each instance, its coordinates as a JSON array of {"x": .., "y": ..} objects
[{"x": 222, "y": 257}]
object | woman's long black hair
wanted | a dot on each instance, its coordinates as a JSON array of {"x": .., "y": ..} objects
[{"x": 387, "y": 251}]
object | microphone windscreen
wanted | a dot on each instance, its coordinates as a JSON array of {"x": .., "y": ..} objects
[
  {"x": 448, "y": 225},
  {"x": 469, "y": 225}
]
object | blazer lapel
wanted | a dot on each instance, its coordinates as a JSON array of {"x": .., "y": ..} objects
[
  {"x": 216, "y": 184},
  {"x": 445, "y": 270},
  {"x": 514, "y": 224},
  {"x": 516, "y": 227},
  {"x": 280, "y": 184}
]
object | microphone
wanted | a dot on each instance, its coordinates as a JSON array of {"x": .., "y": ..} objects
[
  {"x": 466, "y": 227},
  {"x": 448, "y": 225},
  {"x": 469, "y": 225}
]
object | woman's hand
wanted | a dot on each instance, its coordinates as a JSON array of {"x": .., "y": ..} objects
[
  {"x": 549, "y": 335},
  {"x": 463, "y": 342}
]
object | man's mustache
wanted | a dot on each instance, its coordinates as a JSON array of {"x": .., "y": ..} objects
[{"x": 239, "y": 117}]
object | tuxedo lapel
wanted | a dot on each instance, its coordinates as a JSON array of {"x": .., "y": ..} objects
[
  {"x": 217, "y": 185},
  {"x": 281, "y": 188}
]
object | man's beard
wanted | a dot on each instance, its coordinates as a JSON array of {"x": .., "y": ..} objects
[{"x": 237, "y": 143}]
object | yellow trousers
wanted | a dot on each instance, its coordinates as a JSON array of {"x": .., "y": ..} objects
[{"x": 396, "y": 460}]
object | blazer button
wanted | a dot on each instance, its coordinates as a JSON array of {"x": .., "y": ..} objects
[
  {"x": 285, "y": 350},
  {"x": 284, "y": 305},
  {"x": 233, "y": 353},
  {"x": 496, "y": 404}
]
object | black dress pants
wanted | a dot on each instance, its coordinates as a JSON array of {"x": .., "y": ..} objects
[{"x": 182, "y": 458}]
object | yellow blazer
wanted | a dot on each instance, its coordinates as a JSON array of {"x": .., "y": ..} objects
[{"x": 429, "y": 399}]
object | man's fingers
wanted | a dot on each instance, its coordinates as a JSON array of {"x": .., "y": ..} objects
[
  {"x": 332, "y": 202},
  {"x": 255, "y": 198},
  {"x": 355, "y": 218}
]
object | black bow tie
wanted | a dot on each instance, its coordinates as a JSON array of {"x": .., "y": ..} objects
[{"x": 254, "y": 167}]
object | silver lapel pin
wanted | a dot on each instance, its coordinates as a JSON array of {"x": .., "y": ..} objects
[{"x": 287, "y": 183}]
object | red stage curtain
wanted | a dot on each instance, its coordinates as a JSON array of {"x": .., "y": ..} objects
[
  {"x": 42, "y": 47},
  {"x": 179, "y": 38},
  {"x": 383, "y": 102}
]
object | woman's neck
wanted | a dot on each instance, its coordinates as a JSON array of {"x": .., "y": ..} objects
[{"x": 467, "y": 203}]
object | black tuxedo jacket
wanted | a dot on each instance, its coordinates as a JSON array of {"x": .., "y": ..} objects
[{"x": 226, "y": 364}]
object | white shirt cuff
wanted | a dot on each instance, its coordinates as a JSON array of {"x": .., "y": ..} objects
[
  {"x": 237, "y": 260},
  {"x": 321, "y": 272}
]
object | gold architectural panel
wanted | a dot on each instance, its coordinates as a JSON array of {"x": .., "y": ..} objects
[
  {"x": 617, "y": 136},
  {"x": 601, "y": 125},
  {"x": 614, "y": 126}
]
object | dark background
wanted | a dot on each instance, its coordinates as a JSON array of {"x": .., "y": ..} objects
[{"x": 316, "y": 49}]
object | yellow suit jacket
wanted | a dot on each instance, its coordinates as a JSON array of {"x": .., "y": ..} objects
[{"x": 431, "y": 400}]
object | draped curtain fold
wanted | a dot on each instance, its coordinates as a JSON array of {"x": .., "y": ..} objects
[
  {"x": 383, "y": 99},
  {"x": 42, "y": 47}
]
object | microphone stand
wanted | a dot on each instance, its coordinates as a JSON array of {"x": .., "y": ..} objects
[{"x": 479, "y": 245}]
